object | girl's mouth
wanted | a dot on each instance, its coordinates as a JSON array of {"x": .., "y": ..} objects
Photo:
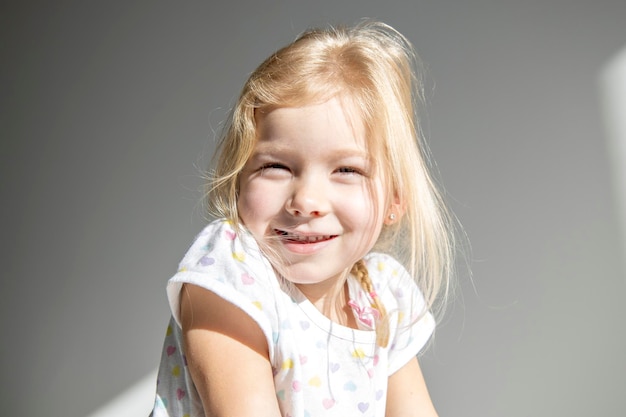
[{"x": 298, "y": 238}]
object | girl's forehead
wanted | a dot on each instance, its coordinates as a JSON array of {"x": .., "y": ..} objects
[
  {"x": 333, "y": 119},
  {"x": 339, "y": 105}
]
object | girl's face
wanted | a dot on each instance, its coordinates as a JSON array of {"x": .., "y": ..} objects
[{"x": 310, "y": 191}]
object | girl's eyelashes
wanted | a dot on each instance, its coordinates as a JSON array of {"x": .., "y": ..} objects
[
  {"x": 274, "y": 170},
  {"x": 352, "y": 170},
  {"x": 277, "y": 168},
  {"x": 273, "y": 165},
  {"x": 349, "y": 170}
]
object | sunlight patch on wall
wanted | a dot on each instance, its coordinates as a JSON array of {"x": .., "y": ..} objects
[
  {"x": 613, "y": 94},
  {"x": 135, "y": 401}
]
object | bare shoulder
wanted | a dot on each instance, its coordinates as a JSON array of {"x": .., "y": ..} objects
[
  {"x": 219, "y": 341},
  {"x": 407, "y": 395},
  {"x": 201, "y": 309}
]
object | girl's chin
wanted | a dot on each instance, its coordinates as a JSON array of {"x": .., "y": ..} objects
[{"x": 311, "y": 274}]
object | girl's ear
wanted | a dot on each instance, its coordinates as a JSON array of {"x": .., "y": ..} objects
[{"x": 395, "y": 211}]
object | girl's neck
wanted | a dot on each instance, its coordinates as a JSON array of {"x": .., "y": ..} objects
[{"x": 331, "y": 299}]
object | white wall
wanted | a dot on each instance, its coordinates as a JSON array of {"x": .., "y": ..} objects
[{"x": 108, "y": 110}]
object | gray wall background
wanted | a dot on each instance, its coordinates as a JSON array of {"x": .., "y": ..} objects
[{"x": 107, "y": 117}]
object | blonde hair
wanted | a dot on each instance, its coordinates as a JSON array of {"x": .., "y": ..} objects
[{"x": 373, "y": 65}]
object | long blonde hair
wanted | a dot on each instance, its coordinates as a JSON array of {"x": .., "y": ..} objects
[{"x": 375, "y": 66}]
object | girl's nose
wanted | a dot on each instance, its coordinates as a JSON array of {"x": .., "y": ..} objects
[{"x": 309, "y": 199}]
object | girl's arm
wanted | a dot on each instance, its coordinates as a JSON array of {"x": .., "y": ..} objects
[
  {"x": 227, "y": 356},
  {"x": 407, "y": 395}
]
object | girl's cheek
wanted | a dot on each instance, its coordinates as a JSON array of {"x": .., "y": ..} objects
[
  {"x": 356, "y": 198},
  {"x": 258, "y": 200}
]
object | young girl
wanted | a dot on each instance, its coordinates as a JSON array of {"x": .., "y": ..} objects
[{"x": 311, "y": 294}]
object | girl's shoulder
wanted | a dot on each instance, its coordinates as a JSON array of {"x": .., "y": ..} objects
[
  {"x": 384, "y": 270},
  {"x": 398, "y": 289},
  {"x": 218, "y": 239},
  {"x": 378, "y": 261},
  {"x": 411, "y": 323},
  {"x": 227, "y": 261},
  {"x": 221, "y": 252}
]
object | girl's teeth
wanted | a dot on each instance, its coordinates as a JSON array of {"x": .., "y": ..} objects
[
  {"x": 308, "y": 238},
  {"x": 297, "y": 238}
]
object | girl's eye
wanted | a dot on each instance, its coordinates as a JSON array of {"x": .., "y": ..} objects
[
  {"x": 274, "y": 169},
  {"x": 349, "y": 170},
  {"x": 273, "y": 166}
]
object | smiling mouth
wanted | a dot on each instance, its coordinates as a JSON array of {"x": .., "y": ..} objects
[{"x": 302, "y": 238}]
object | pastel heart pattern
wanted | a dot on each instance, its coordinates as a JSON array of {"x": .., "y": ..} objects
[
  {"x": 206, "y": 261},
  {"x": 180, "y": 394},
  {"x": 296, "y": 386},
  {"x": 363, "y": 407},
  {"x": 400, "y": 317},
  {"x": 161, "y": 402},
  {"x": 328, "y": 403},
  {"x": 246, "y": 279},
  {"x": 315, "y": 381},
  {"x": 281, "y": 394},
  {"x": 287, "y": 364},
  {"x": 170, "y": 350},
  {"x": 358, "y": 353},
  {"x": 349, "y": 386}
]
